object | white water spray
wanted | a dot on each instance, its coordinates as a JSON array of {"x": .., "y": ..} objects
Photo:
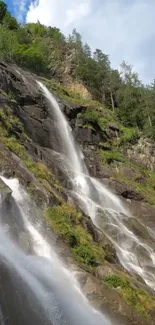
[
  {"x": 105, "y": 209},
  {"x": 49, "y": 280}
]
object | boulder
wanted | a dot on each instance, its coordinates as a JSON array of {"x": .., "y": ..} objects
[
  {"x": 104, "y": 271},
  {"x": 114, "y": 126}
]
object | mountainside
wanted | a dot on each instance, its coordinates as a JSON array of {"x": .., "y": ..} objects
[
  {"x": 28, "y": 138},
  {"x": 47, "y": 52},
  {"x": 112, "y": 118}
]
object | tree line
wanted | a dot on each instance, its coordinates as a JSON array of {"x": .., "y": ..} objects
[{"x": 46, "y": 50}]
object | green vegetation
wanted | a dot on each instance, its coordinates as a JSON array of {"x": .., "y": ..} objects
[
  {"x": 37, "y": 168},
  {"x": 46, "y": 50},
  {"x": 146, "y": 187},
  {"x": 129, "y": 135},
  {"x": 137, "y": 298},
  {"x": 66, "y": 222},
  {"x": 111, "y": 156},
  {"x": 10, "y": 121},
  {"x": 99, "y": 116},
  {"x": 9, "y": 125}
]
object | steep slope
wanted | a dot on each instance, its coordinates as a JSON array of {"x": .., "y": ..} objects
[{"x": 28, "y": 144}]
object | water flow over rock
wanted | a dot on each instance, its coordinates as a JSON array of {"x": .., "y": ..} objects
[
  {"x": 105, "y": 209},
  {"x": 46, "y": 293}
]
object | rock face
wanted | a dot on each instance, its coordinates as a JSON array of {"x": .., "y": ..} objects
[
  {"x": 5, "y": 191},
  {"x": 126, "y": 191},
  {"x": 20, "y": 91},
  {"x": 143, "y": 153}
]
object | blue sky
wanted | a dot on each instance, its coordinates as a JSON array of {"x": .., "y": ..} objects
[{"x": 124, "y": 29}]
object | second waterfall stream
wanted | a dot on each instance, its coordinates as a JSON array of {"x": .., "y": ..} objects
[{"x": 105, "y": 209}]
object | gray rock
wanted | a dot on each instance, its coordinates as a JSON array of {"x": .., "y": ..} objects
[
  {"x": 5, "y": 191},
  {"x": 25, "y": 243},
  {"x": 114, "y": 126}
]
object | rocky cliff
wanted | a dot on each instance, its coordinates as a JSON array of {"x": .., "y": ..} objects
[{"x": 115, "y": 155}]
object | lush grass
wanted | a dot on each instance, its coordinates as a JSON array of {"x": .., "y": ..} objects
[
  {"x": 66, "y": 222},
  {"x": 129, "y": 135},
  {"x": 9, "y": 121},
  {"x": 111, "y": 156},
  {"x": 137, "y": 298},
  {"x": 101, "y": 117}
]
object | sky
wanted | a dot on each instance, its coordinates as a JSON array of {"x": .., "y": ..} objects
[{"x": 124, "y": 29}]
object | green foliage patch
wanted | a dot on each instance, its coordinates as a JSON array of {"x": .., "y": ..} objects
[
  {"x": 111, "y": 156},
  {"x": 66, "y": 222},
  {"x": 48, "y": 52},
  {"x": 130, "y": 135},
  {"x": 137, "y": 298}
]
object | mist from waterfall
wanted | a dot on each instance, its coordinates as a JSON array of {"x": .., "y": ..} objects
[
  {"x": 42, "y": 289},
  {"x": 105, "y": 209}
]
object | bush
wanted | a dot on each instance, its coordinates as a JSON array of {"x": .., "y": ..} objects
[
  {"x": 135, "y": 297},
  {"x": 9, "y": 121},
  {"x": 110, "y": 156},
  {"x": 130, "y": 135},
  {"x": 85, "y": 255},
  {"x": 65, "y": 221},
  {"x": 32, "y": 57}
]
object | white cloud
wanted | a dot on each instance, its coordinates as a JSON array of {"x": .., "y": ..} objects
[
  {"x": 20, "y": 8},
  {"x": 58, "y": 12},
  {"x": 122, "y": 28},
  {"x": 78, "y": 12}
]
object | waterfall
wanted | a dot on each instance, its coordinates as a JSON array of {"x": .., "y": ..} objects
[
  {"x": 35, "y": 287},
  {"x": 105, "y": 209}
]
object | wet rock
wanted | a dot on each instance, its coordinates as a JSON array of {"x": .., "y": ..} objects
[
  {"x": 124, "y": 190},
  {"x": 90, "y": 227},
  {"x": 38, "y": 122},
  {"x": 137, "y": 228},
  {"x": 144, "y": 212},
  {"x": 5, "y": 191},
  {"x": 25, "y": 242}
]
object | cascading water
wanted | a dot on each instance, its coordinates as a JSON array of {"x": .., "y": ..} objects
[
  {"x": 36, "y": 288},
  {"x": 105, "y": 209}
]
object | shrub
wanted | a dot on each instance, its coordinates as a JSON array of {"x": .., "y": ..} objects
[
  {"x": 110, "y": 156},
  {"x": 85, "y": 254},
  {"x": 65, "y": 221},
  {"x": 135, "y": 297},
  {"x": 130, "y": 135}
]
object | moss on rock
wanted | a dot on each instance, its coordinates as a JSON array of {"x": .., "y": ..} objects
[
  {"x": 137, "y": 298},
  {"x": 66, "y": 222}
]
